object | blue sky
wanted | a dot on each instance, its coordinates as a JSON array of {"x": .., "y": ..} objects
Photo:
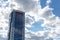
[
  {"x": 43, "y": 3},
  {"x": 37, "y": 26},
  {"x": 48, "y": 19},
  {"x": 54, "y": 4}
]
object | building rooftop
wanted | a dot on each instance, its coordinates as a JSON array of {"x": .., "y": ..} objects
[{"x": 18, "y": 11}]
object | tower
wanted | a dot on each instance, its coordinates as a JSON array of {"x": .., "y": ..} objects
[{"x": 17, "y": 25}]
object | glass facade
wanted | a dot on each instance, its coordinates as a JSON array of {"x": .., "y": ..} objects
[{"x": 17, "y": 25}]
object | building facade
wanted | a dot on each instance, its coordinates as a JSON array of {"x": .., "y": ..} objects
[{"x": 17, "y": 25}]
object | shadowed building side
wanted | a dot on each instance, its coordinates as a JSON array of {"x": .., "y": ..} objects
[{"x": 17, "y": 25}]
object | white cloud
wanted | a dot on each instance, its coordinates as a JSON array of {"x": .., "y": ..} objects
[
  {"x": 48, "y": 2},
  {"x": 26, "y": 5},
  {"x": 5, "y": 10},
  {"x": 33, "y": 9},
  {"x": 29, "y": 21},
  {"x": 35, "y": 12},
  {"x": 40, "y": 35}
]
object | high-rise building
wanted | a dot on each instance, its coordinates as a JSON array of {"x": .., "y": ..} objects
[{"x": 17, "y": 25}]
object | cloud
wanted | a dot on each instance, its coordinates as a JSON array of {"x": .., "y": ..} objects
[
  {"x": 48, "y": 2},
  {"x": 29, "y": 21},
  {"x": 33, "y": 13},
  {"x": 26, "y": 5},
  {"x": 50, "y": 21},
  {"x": 41, "y": 35},
  {"x": 5, "y": 10}
]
